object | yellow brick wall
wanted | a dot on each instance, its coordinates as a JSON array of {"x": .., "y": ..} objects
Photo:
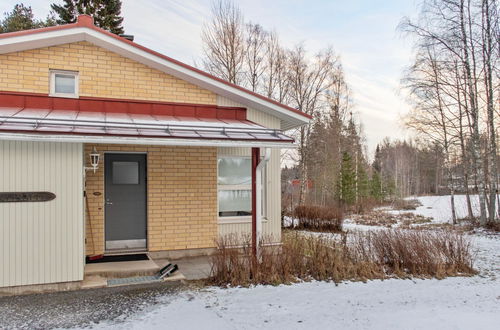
[
  {"x": 102, "y": 74},
  {"x": 182, "y": 197}
]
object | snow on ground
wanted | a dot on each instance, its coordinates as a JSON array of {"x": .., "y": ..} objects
[
  {"x": 350, "y": 226},
  {"x": 452, "y": 303},
  {"x": 289, "y": 221},
  {"x": 439, "y": 207}
]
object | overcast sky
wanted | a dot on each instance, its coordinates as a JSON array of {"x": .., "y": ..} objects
[{"x": 363, "y": 32}]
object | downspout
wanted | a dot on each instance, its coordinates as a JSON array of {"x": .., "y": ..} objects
[
  {"x": 257, "y": 218},
  {"x": 255, "y": 164}
]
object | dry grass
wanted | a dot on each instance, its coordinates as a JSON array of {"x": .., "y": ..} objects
[
  {"x": 364, "y": 205},
  {"x": 386, "y": 219},
  {"x": 405, "y": 204},
  {"x": 473, "y": 223},
  {"x": 360, "y": 256},
  {"x": 319, "y": 218},
  {"x": 420, "y": 253},
  {"x": 461, "y": 228}
]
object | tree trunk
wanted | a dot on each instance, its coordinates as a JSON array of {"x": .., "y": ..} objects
[
  {"x": 476, "y": 148},
  {"x": 488, "y": 80},
  {"x": 453, "y": 212},
  {"x": 465, "y": 158}
]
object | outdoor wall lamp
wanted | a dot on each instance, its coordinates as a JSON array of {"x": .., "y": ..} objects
[{"x": 94, "y": 161}]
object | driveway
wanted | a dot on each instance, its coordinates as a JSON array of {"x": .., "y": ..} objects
[{"x": 80, "y": 308}]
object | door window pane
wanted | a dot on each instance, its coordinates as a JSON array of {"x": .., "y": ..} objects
[
  {"x": 64, "y": 84},
  {"x": 125, "y": 173},
  {"x": 235, "y": 203},
  {"x": 235, "y": 171}
]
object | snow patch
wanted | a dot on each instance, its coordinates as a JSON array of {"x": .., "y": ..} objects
[{"x": 452, "y": 303}]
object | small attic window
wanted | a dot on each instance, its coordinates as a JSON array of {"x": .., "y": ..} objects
[{"x": 63, "y": 83}]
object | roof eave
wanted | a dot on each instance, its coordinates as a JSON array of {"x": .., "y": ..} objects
[{"x": 135, "y": 140}]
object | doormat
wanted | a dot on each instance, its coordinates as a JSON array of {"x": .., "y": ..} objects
[{"x": 117, "y": 258}]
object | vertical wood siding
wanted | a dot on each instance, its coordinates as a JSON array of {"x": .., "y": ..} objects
[
  {"x": 41, "y": 242},
  {"x": 271, "y": 228}
]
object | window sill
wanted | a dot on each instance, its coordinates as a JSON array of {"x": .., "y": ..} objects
[
  {"x": 66, "y": 96},
  {"x": 237, "y": 220}
]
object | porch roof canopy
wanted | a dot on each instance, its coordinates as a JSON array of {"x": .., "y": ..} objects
[{"x": 89, "y": 125}]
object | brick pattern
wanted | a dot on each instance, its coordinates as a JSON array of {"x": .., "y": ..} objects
[
  {"x": 102, "y": 74},
  {"x": 182, "y": 197}
]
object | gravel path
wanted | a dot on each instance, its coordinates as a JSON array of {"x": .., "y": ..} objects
[{"x": 84, "y": 308}]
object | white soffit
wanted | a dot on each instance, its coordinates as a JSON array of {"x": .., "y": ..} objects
[
  {"x": 289, "y": 118},
  {"x": 141, "y": 141}
]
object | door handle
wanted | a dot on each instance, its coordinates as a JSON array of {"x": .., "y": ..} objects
[{"x": 108, "y": 202}]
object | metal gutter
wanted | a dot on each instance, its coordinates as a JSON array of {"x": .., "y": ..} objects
[{"x": 72, "y": 138}]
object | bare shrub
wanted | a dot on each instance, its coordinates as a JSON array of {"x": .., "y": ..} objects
[
  {"x": 493, "y": 226},
  {"x": 406, "y": 204},
  {"x": 365, "y": 205},
  {"x": 359, "y": 256},
  {"x": 470, "y": 224},
  {"x": 230, "y": 264},
  {"x": 319, "y": 218},
  {"x": 421, "y": 253}
]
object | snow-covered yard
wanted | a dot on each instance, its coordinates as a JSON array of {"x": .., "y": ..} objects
[
  {"x": 439, "y": 207},
  {"x": 452, "y": 303}
]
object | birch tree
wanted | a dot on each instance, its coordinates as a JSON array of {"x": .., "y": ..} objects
[
  {"x": 465, "y": 35},
  {"x": 223, "y": 42},
  {"x": 275, "y": 82},
  {"x": 255, "y": 44},
  {"x": 490, "y": 24},
  {"x": 308, "y": 81},
  {"x": 431, "y": 115}
]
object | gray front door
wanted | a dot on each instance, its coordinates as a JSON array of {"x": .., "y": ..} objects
[{"x": 125, "y": 189}]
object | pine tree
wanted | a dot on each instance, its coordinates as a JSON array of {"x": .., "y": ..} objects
[
  {"x": 377, "y": 163},
  {"x": 364, "y": 183},
  {"x": 106, "y": 13},
  {"x": 22, "y": 18},
  {"x": 347, "y": 180}
]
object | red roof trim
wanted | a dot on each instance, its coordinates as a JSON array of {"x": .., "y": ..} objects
[
  {"x": 87, "y": 22},
  {"x": 94, "y": 104}
]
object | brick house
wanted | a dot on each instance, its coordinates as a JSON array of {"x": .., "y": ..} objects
[{"x": 108, "y": 147}]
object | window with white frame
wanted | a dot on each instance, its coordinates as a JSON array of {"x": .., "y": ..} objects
[
  {"x": 235, "y": 187},
  {"x": 64, "y": 83}
]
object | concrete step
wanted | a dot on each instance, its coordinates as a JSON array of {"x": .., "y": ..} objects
[
  {"x": 122, "y": 269},
  {"x": 93, "y": 282}
]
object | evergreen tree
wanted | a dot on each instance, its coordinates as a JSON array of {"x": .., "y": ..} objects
[
  {"x": 22, "y": 18},
  {"x": 377, "y": 163},
  {"x": 376, "y": 190},
  {"x": 363, "y": 184},
  {"x": 106, "y": 13},
  {"x": 347, "y": 180}
]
